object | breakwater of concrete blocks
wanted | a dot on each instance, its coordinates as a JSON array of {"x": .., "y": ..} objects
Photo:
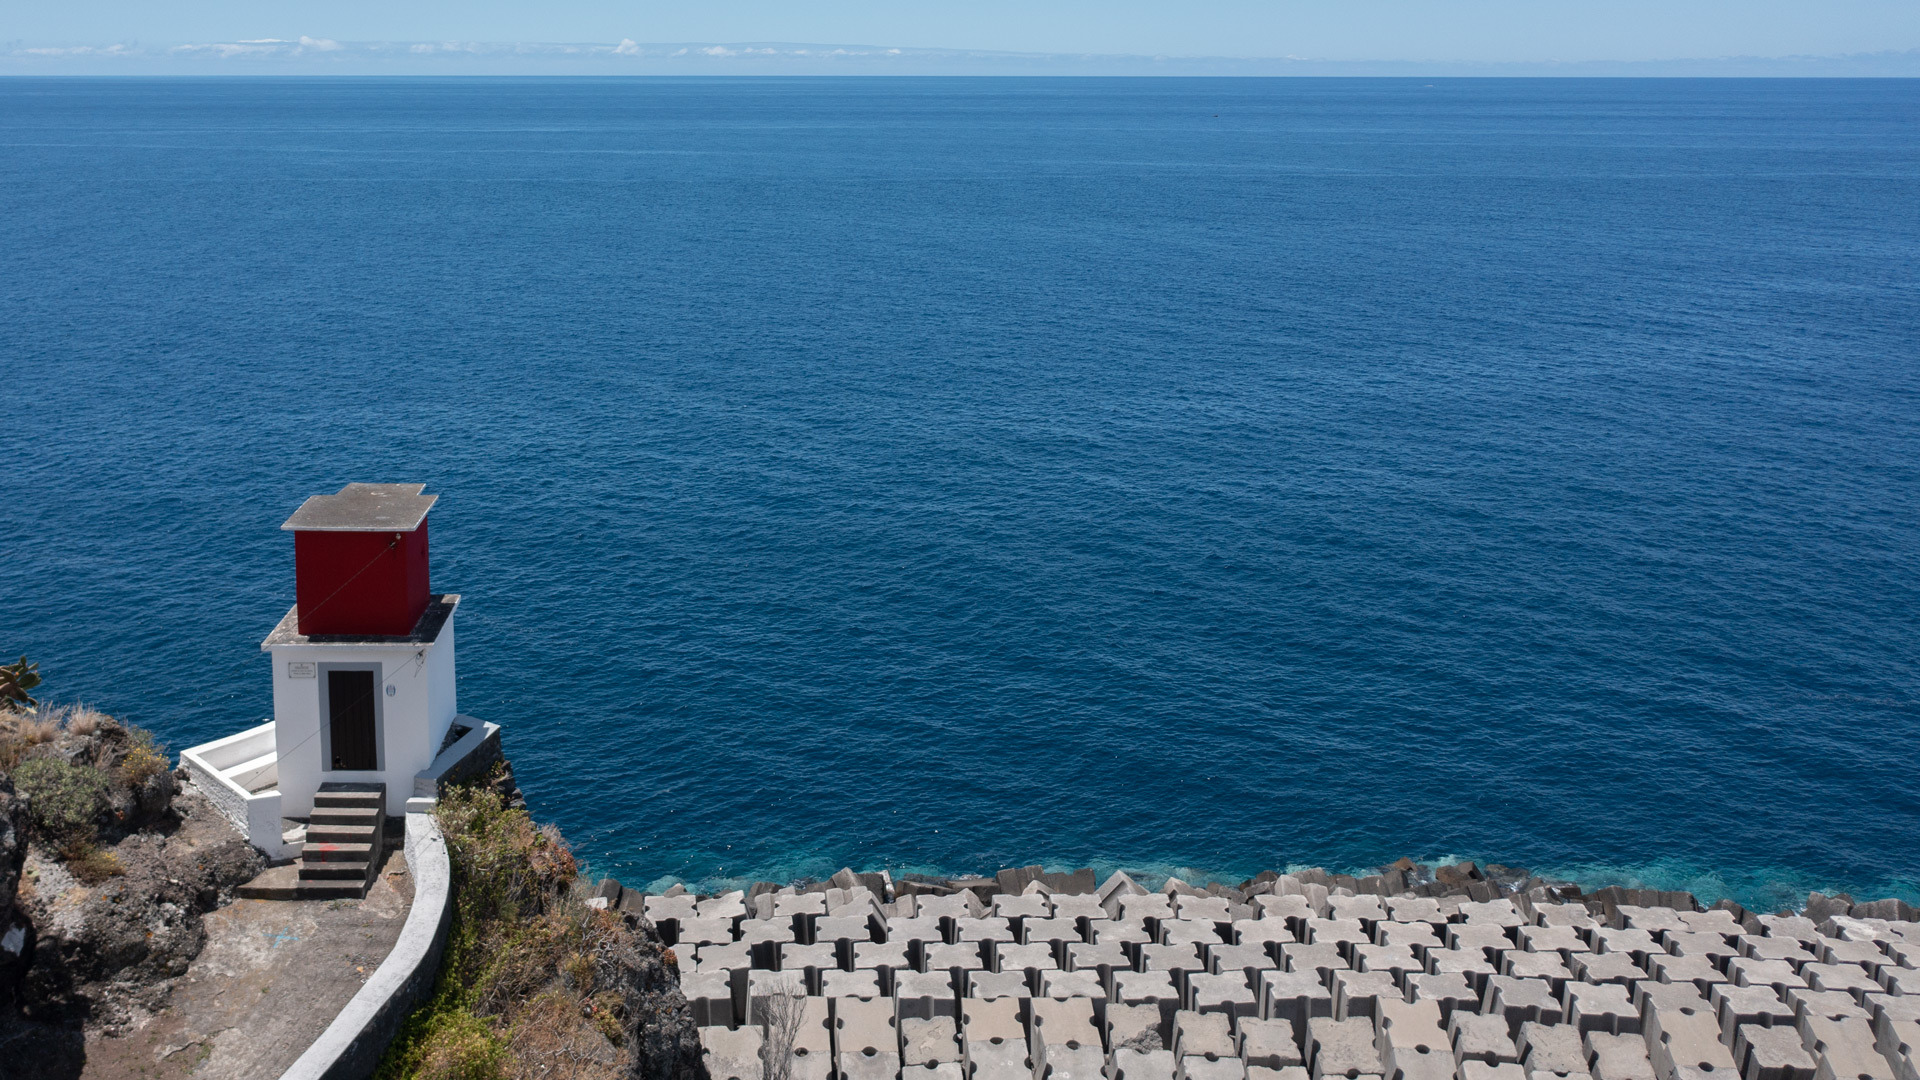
[{"x": 1307, "y": 976}]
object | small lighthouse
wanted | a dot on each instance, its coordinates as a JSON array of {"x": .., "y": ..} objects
[{"x": 364, "y": 707}]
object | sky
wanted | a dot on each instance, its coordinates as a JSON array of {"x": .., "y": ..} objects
[{"x": 1453, "y": 31}]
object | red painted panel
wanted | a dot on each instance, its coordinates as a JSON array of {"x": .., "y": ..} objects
[{"x": 360, "y": 583}]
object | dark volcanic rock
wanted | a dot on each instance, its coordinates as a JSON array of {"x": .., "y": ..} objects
[
  {"x": 104, "y": 952},
  {"x": 1821, "y": 907}
]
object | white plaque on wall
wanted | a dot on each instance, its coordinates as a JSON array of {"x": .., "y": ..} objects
[{"x": 298, "y": 670}]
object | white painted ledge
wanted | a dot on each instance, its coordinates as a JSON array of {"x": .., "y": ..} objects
[{"x": 352, "y": 1045}]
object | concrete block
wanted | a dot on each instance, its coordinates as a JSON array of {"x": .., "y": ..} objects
[
  {"x": 1477, "y": 1037},
  {"x": 1487, "y": 937},
  {"x": 1635, "y": 943},
  {"x": 1417, "y": 937},
  {"x": 1337, "y": 932},
  {"x": 1521, "y": 1000},
  {"x": 1683, "y": 1042},
  {"x": 1649, "y": 994},
  {"x": 961, "y": 905},
  {"x": 1851, "y": 978},
  {"x": 926, "y": 994},
  {"x": 704, "y": 932},
  {"x": 992, "y": 1021},
  {"x": 946, "y": 1070},
  {"x": 1260, "y": 931},
  {"x": 660, "y": 909},
  {"x": 1243, "y": 958},
  {"x": 1323, "y": 960},
  {"x": 1356, "y": 993},
  {"x": 1140, "y": 987},
  {"x": 1552, "y": 1048},
  {"x": 868, "y": 1065},
  {"x": 1395, "y": 960},
  {"x": 922, "y": 929},
  {"x": 1618, "y": 1057},
  {"x": 1010, "y": 957},
  {"x": 1272, "y": 1044},
  {"x": 1714, "y": 948},
  {"x": 1292, "y": 908},
  {"x": 1121, "y": 932},
  {"x": 1100, "y": 958},
  {"x": 1189, "y": 932},
  {"x": 1128, "y": 1064},
  {"x": 1406, "y": 1022},
  {"x": 1650, "y": 918},
  {"x": 1072, "y": 984},
  {"x": 1001, "y": 984},
  {"x": 884, "y": 955},
  {"x": 1568, "y": 915},
  {"x": 1537, "y": 965},
  {"x": 1201, "y": 908},
  {"x": 728, "y": 905},
  {"x": 1775, "y": 948},
  {"x": 1779, "y": 974},
  {"x": 1501, "y": 912},
  {"x": 1734, "y": 1006},
  {"x": 1341, "y": 1048},
  {"x": 988, "y": 928},
  {"x": 1409, "y": 909},
  {"x": 721, "y": 957},
  {"x": 761, "y": 984},
  {"x": 1195, "y": 1067},
  {"x": 1077, "y": 906},
  {"x": 731, "y": 1054},
  {"x": 1611, "y": 967},
  {"x": 1063, "y": 1062},
  {"x": 1600, "y": 1007},
  {"x": 1171, "y": 958},
  {"x": 1696, "y": 970},
  {"x": 1449, "y": 992},
  {"x": 1048, "y": 931},
  {"x": 962, "y": 956},
  {"x": 1228, "y": 993},
  {"x": 1712, "y": 921},
  {"x": 1202, "y": 1035},
  {"x": 1832, "y": 1004},
  {"x": 1027, "y": 906},
  {"x": 1867, "y": 953},
  {"x": 1296, "y": 997},
  {"x": 864, "y": 1026},
  {"x": 772, "y": 933},
  {"x": 861, "y": 984},
  {"x": 1150, "y": 906},
  {"x": 999, "y": 1059},
  {"x": 1899, "y": 1042},
  {"x": 1899, "y": 980},
  {"x": 1055, "y": 1024},
  {"x": 844, "y": 928},
  {"x": 785, "y": 907},
  {"x": 934, "y": 1041},
  {"x": 1772, "y": 1053},
  {"x": 1138, "y": 1027},
  {"x": 1470, "y": 963},
  {"x": 810, "y": 958},
  {"x": 709, "y": 997},
  {"x": 1844, "y": 1049},
  {"x": 1480, "y": 1070},
  {"x": 1366, "y": 909}
]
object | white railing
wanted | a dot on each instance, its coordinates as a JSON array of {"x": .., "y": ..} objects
[{"x": 241, "y": 775}]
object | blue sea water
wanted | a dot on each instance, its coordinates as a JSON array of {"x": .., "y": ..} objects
[{"x": 1197, "y": 476}]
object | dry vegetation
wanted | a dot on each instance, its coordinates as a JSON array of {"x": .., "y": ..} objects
[
  {"x": 535, "y": 983},
  {"x": 70, "y": 762}
]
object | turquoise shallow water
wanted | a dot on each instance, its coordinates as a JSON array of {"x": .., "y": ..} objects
[{"x": 1181, "y": 475}]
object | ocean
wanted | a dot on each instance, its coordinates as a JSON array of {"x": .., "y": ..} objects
[{"x": 1189, "y": 476}]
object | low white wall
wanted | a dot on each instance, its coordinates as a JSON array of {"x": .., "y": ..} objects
[
  {"x": 351, "y": 1046},
  {"x": 255, "y": 813}
]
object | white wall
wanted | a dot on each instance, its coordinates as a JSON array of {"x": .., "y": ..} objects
[{"x": 412, "y": 719}]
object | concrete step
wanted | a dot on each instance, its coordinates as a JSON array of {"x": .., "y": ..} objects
[
  {"x": 334, "y": 871},
  {"x": 330, "y": 890},
  {"x": 374, "y": 795},
  {"x": 340, "y": 834},
  {"x": 335, "y": 815},
  {"x": 360, "y": 853},
  {"x": 274, "y": 883}
]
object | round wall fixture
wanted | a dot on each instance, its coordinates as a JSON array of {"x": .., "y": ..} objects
[{"x": 392, "y": 690}]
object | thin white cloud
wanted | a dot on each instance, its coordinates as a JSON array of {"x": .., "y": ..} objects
[{"x": 627, "y": 47}]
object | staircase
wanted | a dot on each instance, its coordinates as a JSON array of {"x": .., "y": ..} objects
[{"x": 344, "y": 843}]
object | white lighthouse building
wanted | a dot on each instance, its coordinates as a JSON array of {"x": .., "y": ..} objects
[{"x": 365, "y": 714}]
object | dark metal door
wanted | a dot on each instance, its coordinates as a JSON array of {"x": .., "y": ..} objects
[{"x": 350, "y": 703}]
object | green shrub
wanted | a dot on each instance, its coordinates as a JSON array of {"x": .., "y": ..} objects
[
  {"x": 460, "y": 1046},
  {"x": 67, "y": 800},
  {"x": 144, "y": 759}
]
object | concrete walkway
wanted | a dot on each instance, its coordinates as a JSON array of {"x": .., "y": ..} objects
[{"x": 271, "y": 978}]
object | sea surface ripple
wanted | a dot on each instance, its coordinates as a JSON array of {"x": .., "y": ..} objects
[{"x": 1193, "y": 476}]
